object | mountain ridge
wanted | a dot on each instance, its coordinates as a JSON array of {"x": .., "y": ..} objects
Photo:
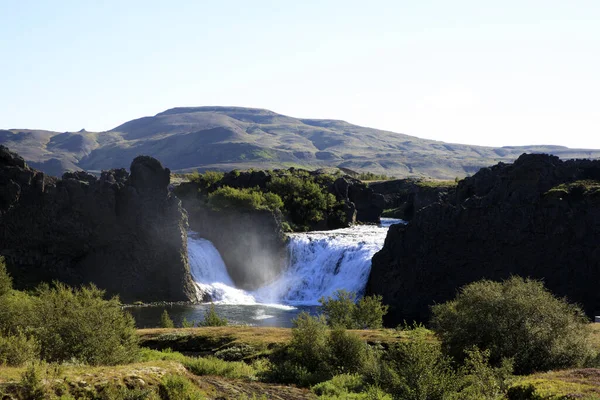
[{"x": 226, "y": 138}]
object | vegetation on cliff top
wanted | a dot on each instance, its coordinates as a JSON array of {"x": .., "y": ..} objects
[{"x": 303, "y": 198}]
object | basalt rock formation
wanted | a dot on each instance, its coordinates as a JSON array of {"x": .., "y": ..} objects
[
  {"x": 404, "y": 197},
  {"x": 538, "y": 217},
  {"x": 123, "y": 232}
]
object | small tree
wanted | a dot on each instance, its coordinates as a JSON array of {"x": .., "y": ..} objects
[
  {"x": 166, "y": 321},
  {"x": 211, "y": 318},
  {"x": 517, "y": 318}
]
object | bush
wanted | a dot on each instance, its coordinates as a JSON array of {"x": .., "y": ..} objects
[
  {"x": 343, "y": 311},
  {"x": 17, "y": 349},
  {"x": 517, "y": 318},
  {"x": 482, "y": 381},
  {"x": 417, "y": 369},
  {"x": 305, "y": 200},
  {"x": 187, "y": 324},
  {"x": 369, "y": 312},
  {"x": 79, "y": 324},
  {"x": 246, "y": 199},
  {"x": 17, "y": 312},
  {"x": 166, "y": 321},
  {"x": 211, "y": 318},
  {"x": 315, "y": 353},
  {"x": 5, "y": 279},
  {"x": 309, "y": 342},
  {"x": 177, "y": 387},
  {"x": 347, "y": 353},
  {"x": 339, "y": 310},
  {"x": 32, "y": 384},
  {"x": 339, "y": 385},
  {"x": 214, "y": 366}
]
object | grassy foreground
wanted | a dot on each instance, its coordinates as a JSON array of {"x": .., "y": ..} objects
[{"x": 214, "y": 378}]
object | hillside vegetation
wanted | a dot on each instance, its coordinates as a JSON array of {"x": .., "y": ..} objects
[{"x": 227, "y": 138}]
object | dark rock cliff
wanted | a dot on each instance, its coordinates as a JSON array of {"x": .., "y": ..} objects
[
  {"x": 125, "y": 233},
  {"x": 538, "y": 217},
  {"x": 404, "y": 197}
]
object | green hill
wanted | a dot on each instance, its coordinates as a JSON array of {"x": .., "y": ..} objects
[{"x": 226, "y": 138}]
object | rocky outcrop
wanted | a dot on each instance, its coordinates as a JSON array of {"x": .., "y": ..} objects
[
  {"x": 538, "y": 217},
  {"x": 358, "y": 197},
  {"x": 404, "y": 197},
  {"x": 123, "y": 232}
]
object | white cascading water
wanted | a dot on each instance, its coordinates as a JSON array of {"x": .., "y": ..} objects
[
  {"x": 320, "y": 263},
  {"x": 210, "y": 273}
]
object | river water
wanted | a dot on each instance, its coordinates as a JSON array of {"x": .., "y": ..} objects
[{"x": 319, "y": 264}]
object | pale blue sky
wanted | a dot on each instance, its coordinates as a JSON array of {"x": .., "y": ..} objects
[{"x": 479, "y": 72}]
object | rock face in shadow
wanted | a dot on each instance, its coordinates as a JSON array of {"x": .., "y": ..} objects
[
  {"x": 538, "y": 217},
  {"x": 407, "y": 196},
  {"x": 125, "y": 233}
]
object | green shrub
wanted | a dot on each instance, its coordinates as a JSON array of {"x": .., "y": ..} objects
[
  {"x": 343, "y": 311},
  {"x": 304, "y": 360},
  {"x": 339, "y": 310},
  {"x": 166, "y": 321},
  {"x": 306, "y": 202},
  {"x": 309, "y": 342},
  {"x": 214, "y": 366},
  {"x": 417, "y": 369},
  {"x": 236, "y": 353},
  {"x": 209, "y": 178},
  {"x": 369, "y": 312},
  {"x": 315, "y": 353},
  {"x": 347, "y": 353},
  {"x": 517, "y": 318},
  {"x": 177, "y": 387},
  {"x": 79, "y": 324},
  {"x": 339, "y": 385},
  {"x": 147, "y": 354},
  {"x": 17, "y": 349},
  {"x": 482, "y": 381},
  {"x": 17, "y": 312},
  {"x": 246, "y": 199},
  {"x": 369, "y": 176},
  {"x": 348, "y": 387},
  {"x": 5, "y": 279},
  {"x": 187, "y": 324},
  {"x": 212, "y": 318},
  {"x": 32, "y": 384}
]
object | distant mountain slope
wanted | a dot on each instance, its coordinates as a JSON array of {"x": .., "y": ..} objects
[{"x": 234, "y": 137}]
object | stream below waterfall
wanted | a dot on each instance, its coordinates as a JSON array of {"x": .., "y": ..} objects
[{"x": 319, "y": 264}]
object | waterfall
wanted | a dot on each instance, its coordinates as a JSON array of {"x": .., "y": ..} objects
[
  {"x": 319, "y": 264},
  {"x": 210, "y": 273}
]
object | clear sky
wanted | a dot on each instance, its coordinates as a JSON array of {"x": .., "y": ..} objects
[{"x": 479, "y": 72}]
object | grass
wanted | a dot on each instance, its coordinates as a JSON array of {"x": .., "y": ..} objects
[
  {"x": 209, "y": 340},
  {"x": 558, "y": 385},
  {"x": 586, "y": 187},
  {"x": 434, "y": 183}
]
